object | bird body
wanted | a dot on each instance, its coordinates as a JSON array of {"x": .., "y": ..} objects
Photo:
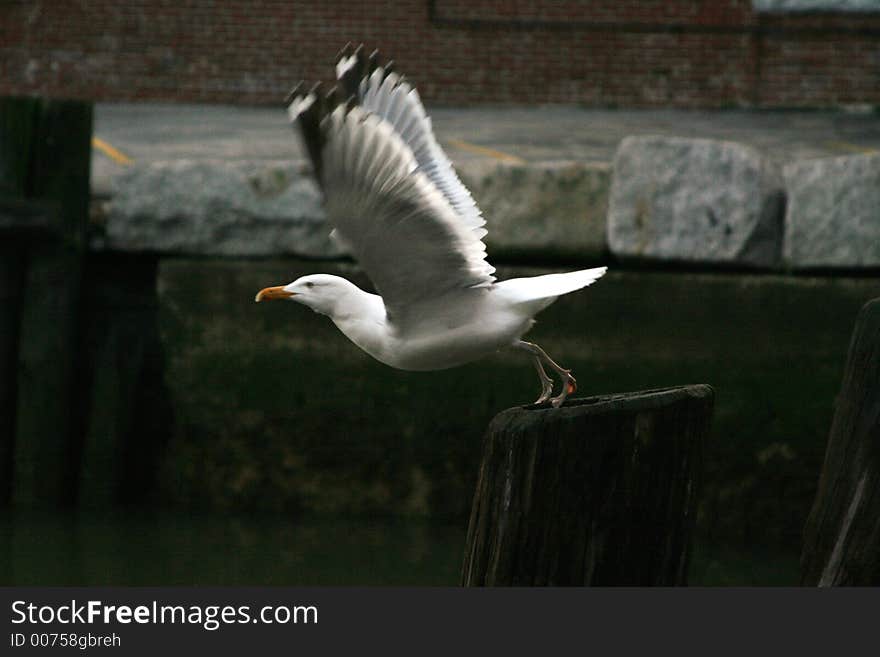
[
  {"x": 460, "y": 327},
  {"x": 396, "y": 203}
]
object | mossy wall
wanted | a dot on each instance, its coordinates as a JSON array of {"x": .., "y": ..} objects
[{"x": 275, "y": 410}]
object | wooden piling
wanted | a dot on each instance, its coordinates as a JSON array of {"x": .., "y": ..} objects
[
  {"x": 84, "y": 411},
  {"x": 842, "y": 535},
  {"x": 11, "y": 280},
  {"x": 17, "y": 123},
  {"x": 602, "y": 491},
  {"x": 46, "y": 450}
]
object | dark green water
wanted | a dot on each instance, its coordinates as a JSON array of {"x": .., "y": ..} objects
[{"x": 170, "y": 549}]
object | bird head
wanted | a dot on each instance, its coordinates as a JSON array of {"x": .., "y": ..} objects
[{"x": 320, "y": 292}]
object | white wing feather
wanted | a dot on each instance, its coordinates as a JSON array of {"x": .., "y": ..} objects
[
  {"x": 549, "y": 286},
  {"x": 398, "y": 103},
  {"x": 406, "y": 234}
]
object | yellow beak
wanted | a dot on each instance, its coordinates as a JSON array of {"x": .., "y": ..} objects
[{"x": 277, "y": 292}]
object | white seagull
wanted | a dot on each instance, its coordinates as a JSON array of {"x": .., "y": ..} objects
[{"x": 398, "y": 206}]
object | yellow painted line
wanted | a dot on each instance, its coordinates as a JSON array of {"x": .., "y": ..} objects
[
  {"x": 116, "y": 155},
  {"x": 850, "y": 148},
  {"x": 482, "y": 150}
]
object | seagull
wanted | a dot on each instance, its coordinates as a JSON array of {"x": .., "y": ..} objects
[{"x": 396, "y": 204}]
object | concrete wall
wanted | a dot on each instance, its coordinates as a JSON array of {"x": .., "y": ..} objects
[{"x": 275, "y": 410}]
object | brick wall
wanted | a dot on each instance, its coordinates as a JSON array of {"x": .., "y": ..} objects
[{"x": 596, "y": 52}]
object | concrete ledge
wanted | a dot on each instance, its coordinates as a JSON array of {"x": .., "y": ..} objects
[
  {"x": 808, "y": 6},
  {"x": 695, "y": 200},
  {"x": 214, "y": 207},
  {"x": 833, "y": 212},
  {"x": 545, "y": 210},
  {"x": 666, "y": 199}
]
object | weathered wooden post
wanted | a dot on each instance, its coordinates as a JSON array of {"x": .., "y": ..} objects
[
  {"x": 11, "y": 277},
  {"x": 56, "y": 176},
  {"x": 83, "y": 407},
  {"x": 842, "y": 536},
  {"x": 17, "y": 118},
  {"x": 602, "y": 491}
]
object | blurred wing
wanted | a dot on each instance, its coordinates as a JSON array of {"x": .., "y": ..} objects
[{"x": 405, "y": 232}]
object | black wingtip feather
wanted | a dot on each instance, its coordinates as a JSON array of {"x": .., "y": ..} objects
[
  {"x": 350, "y": 80},
  {"x": 373, "y": 62},
  {"x": 311, "y": 119},
  {"x": 345, "y": 52},
  {"x": 293, "y": 93}
]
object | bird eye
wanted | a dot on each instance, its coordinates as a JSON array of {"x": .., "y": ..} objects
[{"x": 310, "y": 285}]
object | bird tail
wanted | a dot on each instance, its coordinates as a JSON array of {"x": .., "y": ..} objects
[{"x": 543, "y": 290}]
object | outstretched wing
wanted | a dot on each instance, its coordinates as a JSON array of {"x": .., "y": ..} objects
[
  {"x": 391, "y": 97},
  {"x": 393, "y": 210}
]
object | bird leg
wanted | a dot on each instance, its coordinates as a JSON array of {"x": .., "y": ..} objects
[
  {"x": 569, "y": 384},
  {"x": 546, "y": 381}
]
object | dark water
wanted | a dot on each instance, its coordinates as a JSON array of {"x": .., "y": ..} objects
[{"x": 172, "y": 549}]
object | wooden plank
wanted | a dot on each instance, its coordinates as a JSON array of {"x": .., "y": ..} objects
[
  {"x": 17, "y": 123},
  {"x": 47, "y": 449},
  {"x": 842, "y": 536},
  {"x": 602, "y": 491}
]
